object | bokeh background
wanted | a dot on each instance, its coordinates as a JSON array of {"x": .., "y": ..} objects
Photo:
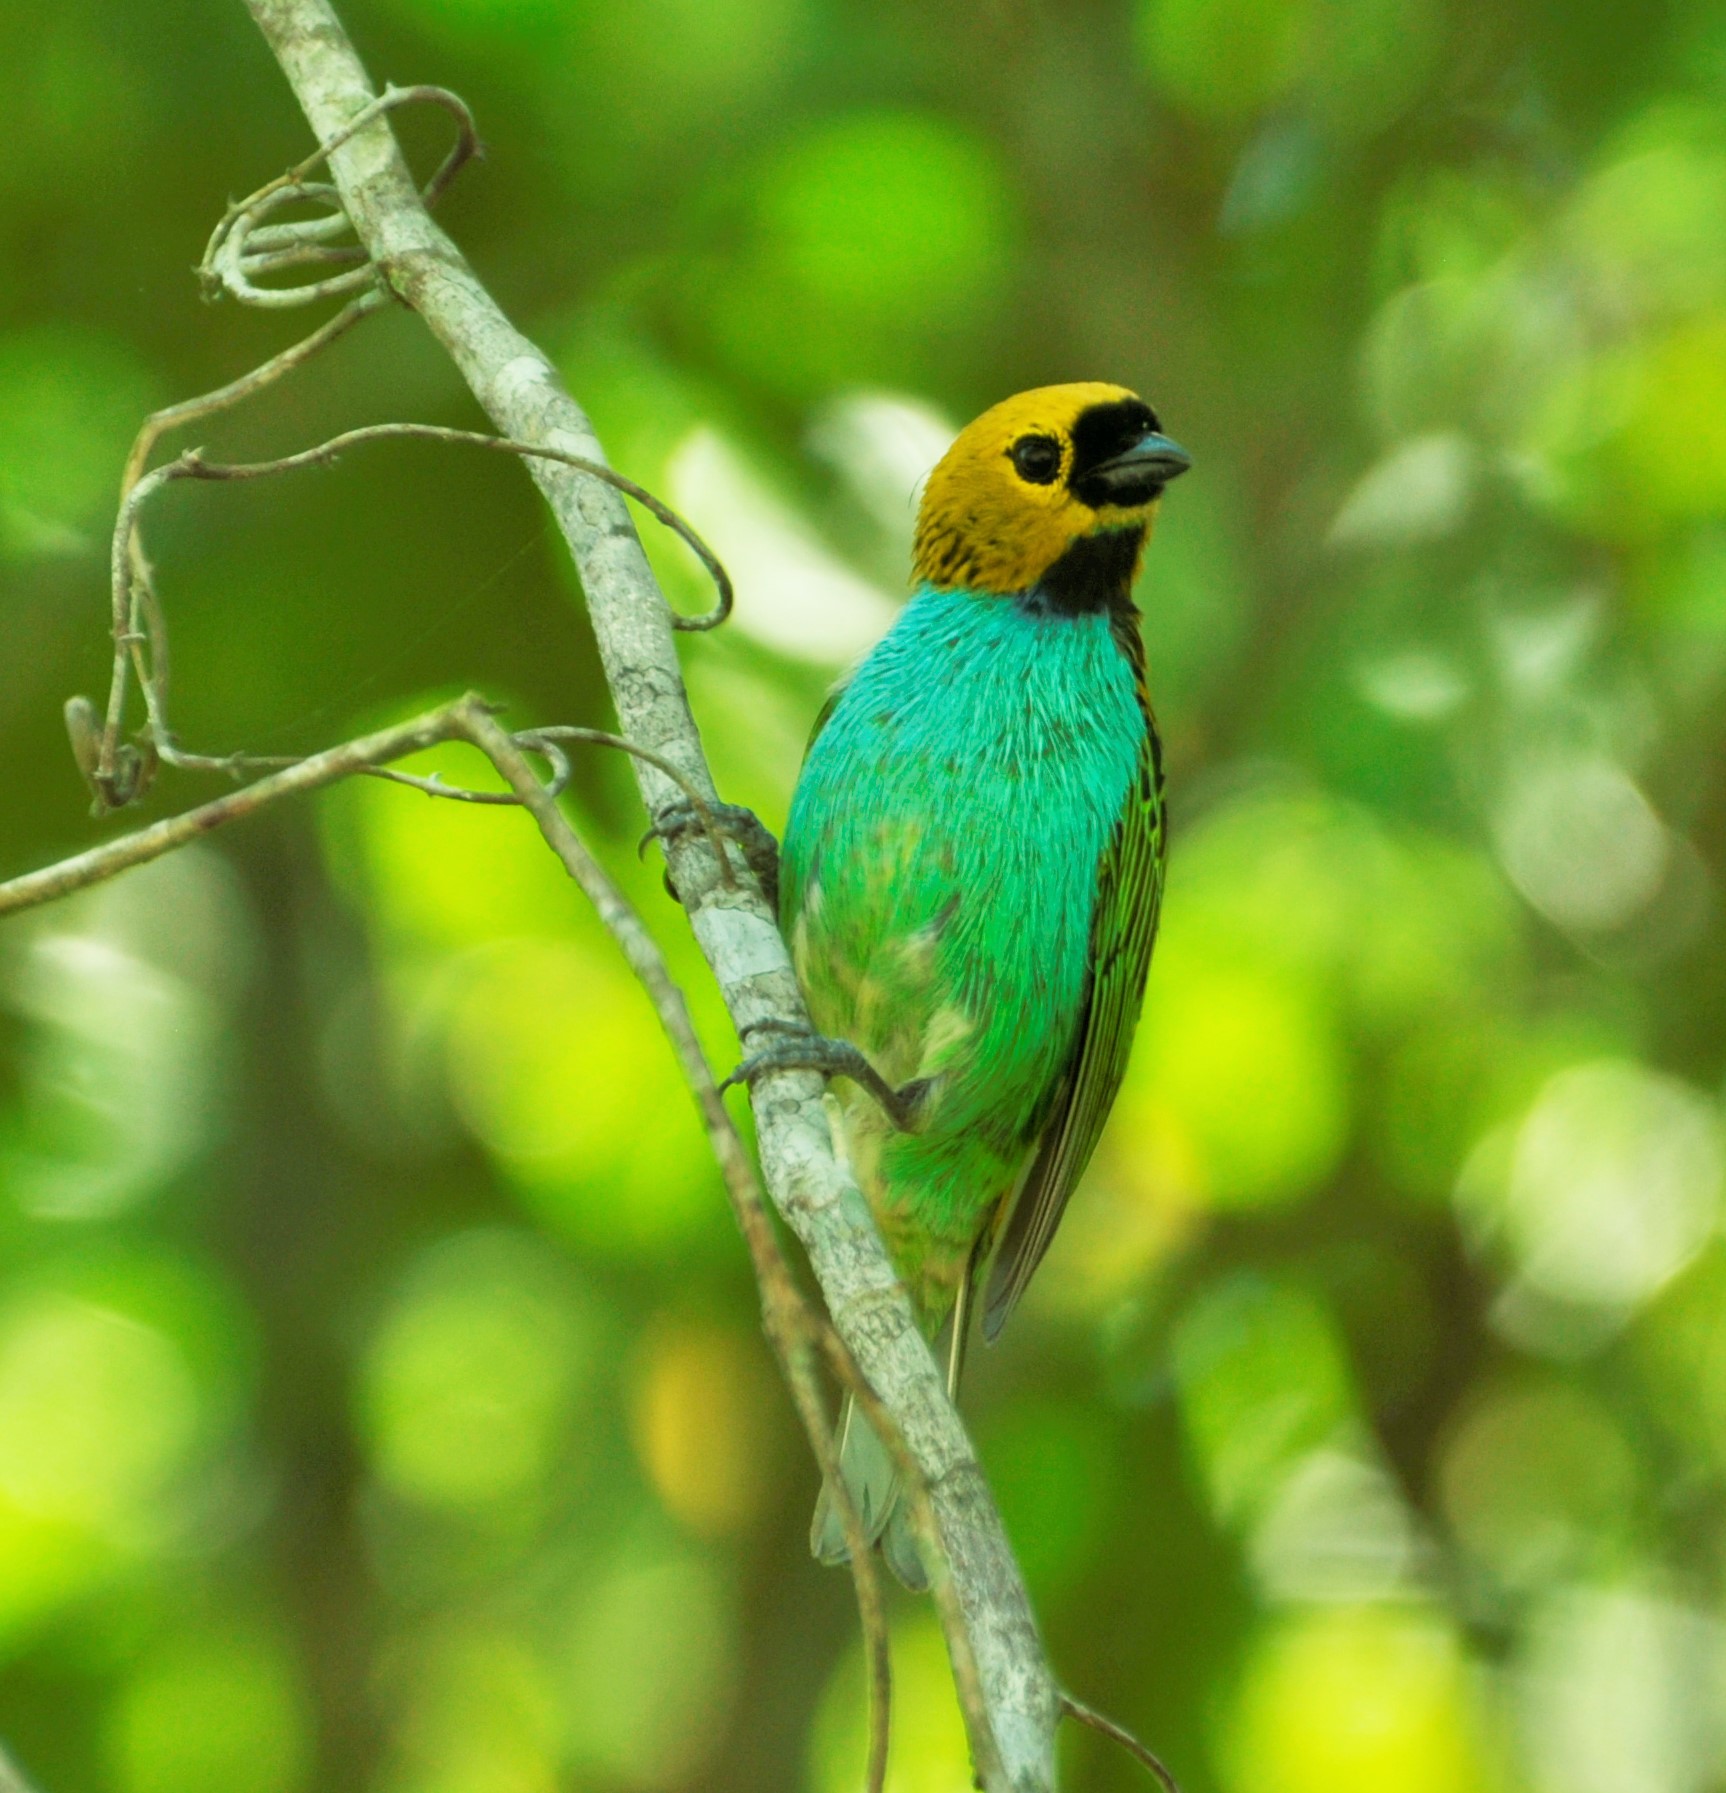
[{"x": 381, "y": 1399}]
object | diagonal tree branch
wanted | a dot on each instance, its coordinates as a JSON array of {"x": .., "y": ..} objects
[
  {"x": 144, "y": 844},
  {"x": 118, "y": 773},
  {"x": 985, "y": 1609},
  {"x": 800, "y": 1335}
]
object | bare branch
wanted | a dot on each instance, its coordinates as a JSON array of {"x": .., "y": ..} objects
[
  {"x": 1012, "y": 1706},
  {"x": 1090, "y": 1717},
  {"x": 115, "y": 772},
  {"x": 793, "y": 1326},
  {"x": 118, "y": 774},
  {"x": 116, "y": 856},
  {"x": 1008, "y": 1695},
  {"x": 798, "y": 1332},
  {"x": 242, "y": 244}
]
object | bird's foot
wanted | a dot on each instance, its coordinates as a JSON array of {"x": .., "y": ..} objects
[
  {"x": 802, "y": 1049},
  {"x": 735, "y": 823}
]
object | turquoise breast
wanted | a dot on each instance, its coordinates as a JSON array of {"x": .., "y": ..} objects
[{"x": 940, "y": 861}]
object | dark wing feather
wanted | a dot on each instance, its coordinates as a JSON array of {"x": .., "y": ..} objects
[
  {"x": 1123, "y": 929},
  {"x": 828, "y": 705}
]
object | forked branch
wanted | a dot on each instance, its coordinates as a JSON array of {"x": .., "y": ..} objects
[
  {"x": 871, "y": 1345},
  {"x": 799, "y": 1334},
  {"x": 1011, "y": 1701}
]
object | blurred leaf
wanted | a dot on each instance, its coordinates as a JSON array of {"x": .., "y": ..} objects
[
  {"x": 928, "y": 1753},
  {"x": 1624, "y": 1692},
  {"x": 476, "y": 1380},
  {"x": 1053, "y": 1468},
  {"x": 1611, "y": 1185},
  {"x": 874, "y": 244},
  {"x": 559, "y": 1067},
  {"x": 1352, "y": 1700},
  {"x": 1263, "y": 1378},
  {"x": 476, "y": 1712},
  {"x": 702, "y": 1419},
  {"x": 650, "y": 1666},
  {"x": 1680, "y": 1350},
  {"x": 1354, "y": 65},
  {"x": 1244, "y": 1064},
  {"x": 70, "y": 402},
  {"x": 210, "y": 1714},
  {"x": 1539, "y": 1483}
]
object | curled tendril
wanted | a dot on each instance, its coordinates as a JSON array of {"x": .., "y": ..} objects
[{"x": 244, "y": 244}]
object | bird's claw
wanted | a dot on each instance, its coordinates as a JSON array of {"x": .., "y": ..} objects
[
  {"x": 805, "y": 1050},
  {"x": 732, "y": 821}
]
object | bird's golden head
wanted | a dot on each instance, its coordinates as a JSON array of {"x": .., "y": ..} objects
[{"x": 1035, "y": 474}]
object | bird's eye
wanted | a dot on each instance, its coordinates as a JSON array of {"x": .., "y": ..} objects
[{"x": 1037, "y": 459}]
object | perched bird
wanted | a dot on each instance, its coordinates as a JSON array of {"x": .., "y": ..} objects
[{"x": 972, "y": 869}]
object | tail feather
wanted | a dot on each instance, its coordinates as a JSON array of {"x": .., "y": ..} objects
[
  {"x": 873, "y": 1483},
  {"x": 868, "y": 1471}
]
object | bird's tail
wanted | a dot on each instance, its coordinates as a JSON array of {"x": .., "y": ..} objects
[
  {"x": 873, "y": 1482},
  {"x": 866, "y": 1466}
]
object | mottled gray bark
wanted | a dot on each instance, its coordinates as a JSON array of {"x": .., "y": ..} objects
[{"x": 998, "y": 1656}]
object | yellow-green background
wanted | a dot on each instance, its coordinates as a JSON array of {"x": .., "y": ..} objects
[{"x": 381, "y": 1401}]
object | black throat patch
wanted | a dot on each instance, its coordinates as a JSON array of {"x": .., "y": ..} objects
[{"x": 1095, "y": 574}]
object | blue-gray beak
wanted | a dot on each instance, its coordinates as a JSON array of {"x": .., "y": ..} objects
[{"x": 1152, "y": 461}]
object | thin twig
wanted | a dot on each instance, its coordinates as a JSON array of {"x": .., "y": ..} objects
[
  {"x": 434, "y": 786},
  {"x": 1088, "y": 1715},
  {"x": 192, "y": 465},
  {"x": 599, "y": 737},
  {"x": 967, "y": 1675},
  {"x": 231, "y": 264},
  {"x": 801, "y": 1368},
  {"x": 1008, "y": 1695},
  {"x": 229, "y": 259},
  {"x": 298, "y": 255},
  {"x": 542, "y": 741},
  {"x": 248, "y": 385},
  {"x": 148, "y": 635},
  {"x": 115, "y": 856},
  {"x": 139, "y": 629},
  {"x": 1012, "y": 1724},
  {"x": 792, "y": 1324}
]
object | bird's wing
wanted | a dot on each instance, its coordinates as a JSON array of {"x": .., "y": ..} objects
[
  {"x": 828, "y": 705},
  {"x": 1123, "y": 928}
]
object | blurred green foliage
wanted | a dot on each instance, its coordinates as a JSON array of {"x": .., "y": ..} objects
[{"x": 381, "y": 1400}]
